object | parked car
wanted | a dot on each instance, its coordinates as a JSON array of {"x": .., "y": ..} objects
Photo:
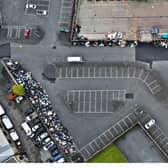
[
  {"x": 36, "y": 127},
  {"x": 41, "y": 12},
  {"x": 48, "y": 145},
  {"x": 42, "y": 136},
  {"x": 7, "y": 122},
  {"x": 27, "y": 129},
  {"x": 32, "y": 6},
  {"x": 2, "y": 110},
  {"x": 54, "y": 152},
  {"x": 150, "y": 123},
  {"x": 14, "y": 136},
  {"x": 57, "y": 157}
]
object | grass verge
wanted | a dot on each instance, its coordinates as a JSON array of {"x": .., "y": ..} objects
[{"x": 111, "y": 154}]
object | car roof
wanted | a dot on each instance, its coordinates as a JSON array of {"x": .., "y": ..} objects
[{"x": 2, "y": 111}]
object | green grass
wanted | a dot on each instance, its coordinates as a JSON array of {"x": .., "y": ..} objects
[{"x": 109, "y": 155}]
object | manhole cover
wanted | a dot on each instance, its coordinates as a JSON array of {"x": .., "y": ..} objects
[{"x": 129, "y": 95}]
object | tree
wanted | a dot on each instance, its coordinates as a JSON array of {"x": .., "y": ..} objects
[{"x": 18, "y": 90}]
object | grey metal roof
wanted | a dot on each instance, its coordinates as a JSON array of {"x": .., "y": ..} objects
[{"x": 5, "y": 148}]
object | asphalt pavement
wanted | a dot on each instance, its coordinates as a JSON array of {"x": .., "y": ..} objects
[
  {"x": 137, "y": 147},
  {"x": 148, "y": 53}
]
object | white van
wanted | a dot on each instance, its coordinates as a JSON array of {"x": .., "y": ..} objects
[
  {"x": 2, "y": 111},
  {"x": 14, "y": 136},
  {"x": 7, "y": 122},
  {"x": 75, "y": 59},
  {"x": 27, "y": 129}
]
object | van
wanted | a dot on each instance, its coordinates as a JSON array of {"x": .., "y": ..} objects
[
  {"x": 75, "y": 59},
  {"x": 27, "y": 129},
  {"x": 14, "y": 136},
  {"x": 2, "y": 111},
  {"x": 7, "y": 122}
]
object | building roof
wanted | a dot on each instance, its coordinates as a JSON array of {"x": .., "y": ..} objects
[{"x": 5, "y": 148}]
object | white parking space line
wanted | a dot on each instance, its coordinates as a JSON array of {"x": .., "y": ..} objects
[
  {"x": 71, "y": 70},
  {"x": 154, "y": 81},
  {"x": 91, "y": 147},
  {"x": 101, "y": 140},
  {"x": 94, "y": 72},
  {"x": 89, "y": 100},
  {"x": 106, "y": 137},
  {"x": 101, "y": 101},
  {"x": 117, "y": 72},
  {"x": 158, "y": 136},
  {"x": 95, "y": 100},
  {"x": 77, "y": 72},
  {"x": 154, "y": 132},
  {"x": 134, "y": 72},
  {"x": 140, "y": 74},
  {"x": 97, "y": 144},
  {"x": 107, "y": 100},
  {"x": 83, "y": 72},
  {"x": 111, "y": 72},
  {"x": 122, "y": 72},
  {"x": 165, "y": 144},
  {"x": 73, "y": 96},
  {"x": 87, "y": 151},
  {"x": 66, "y": 72},
  {"x": 89, "y": 72},
  {"x": 68, "y": 96},
  {"x": 79, "y": 102},
  {"x": 105, "y": 72},
  {"x": 84, "y": 101},
  {"x": 110, "y": 132},
  {"x": 60, "y": 72}
]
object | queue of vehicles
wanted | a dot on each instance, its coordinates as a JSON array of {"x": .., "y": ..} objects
[
  {"x": 35, "y": 130},
  {"x": 44, "y": 112}
]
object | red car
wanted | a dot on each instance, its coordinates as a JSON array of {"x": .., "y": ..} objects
[{"x": 27, "y": 33}]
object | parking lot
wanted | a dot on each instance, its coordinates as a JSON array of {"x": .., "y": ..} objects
[
  {"x": 155, "y": 133},
  {"x": 93, "y": 101},
  {"x": 120, "y": 71},
  {"x": 109, "y": 136},
  {"x": 41, "y": 5},
  {"x": 13, "y": 32}
]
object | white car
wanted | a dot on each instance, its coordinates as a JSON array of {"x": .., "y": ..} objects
[
  {"x": 32, "y": 6},
  {"x": 2, "y": 111},
  {"x": 41, "y": 12},
  {"x": 150, "y": 123},
  {"x": 42, "y": 136}
]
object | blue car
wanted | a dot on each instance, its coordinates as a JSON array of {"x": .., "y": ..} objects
[{"x": 57, "y": 157}]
